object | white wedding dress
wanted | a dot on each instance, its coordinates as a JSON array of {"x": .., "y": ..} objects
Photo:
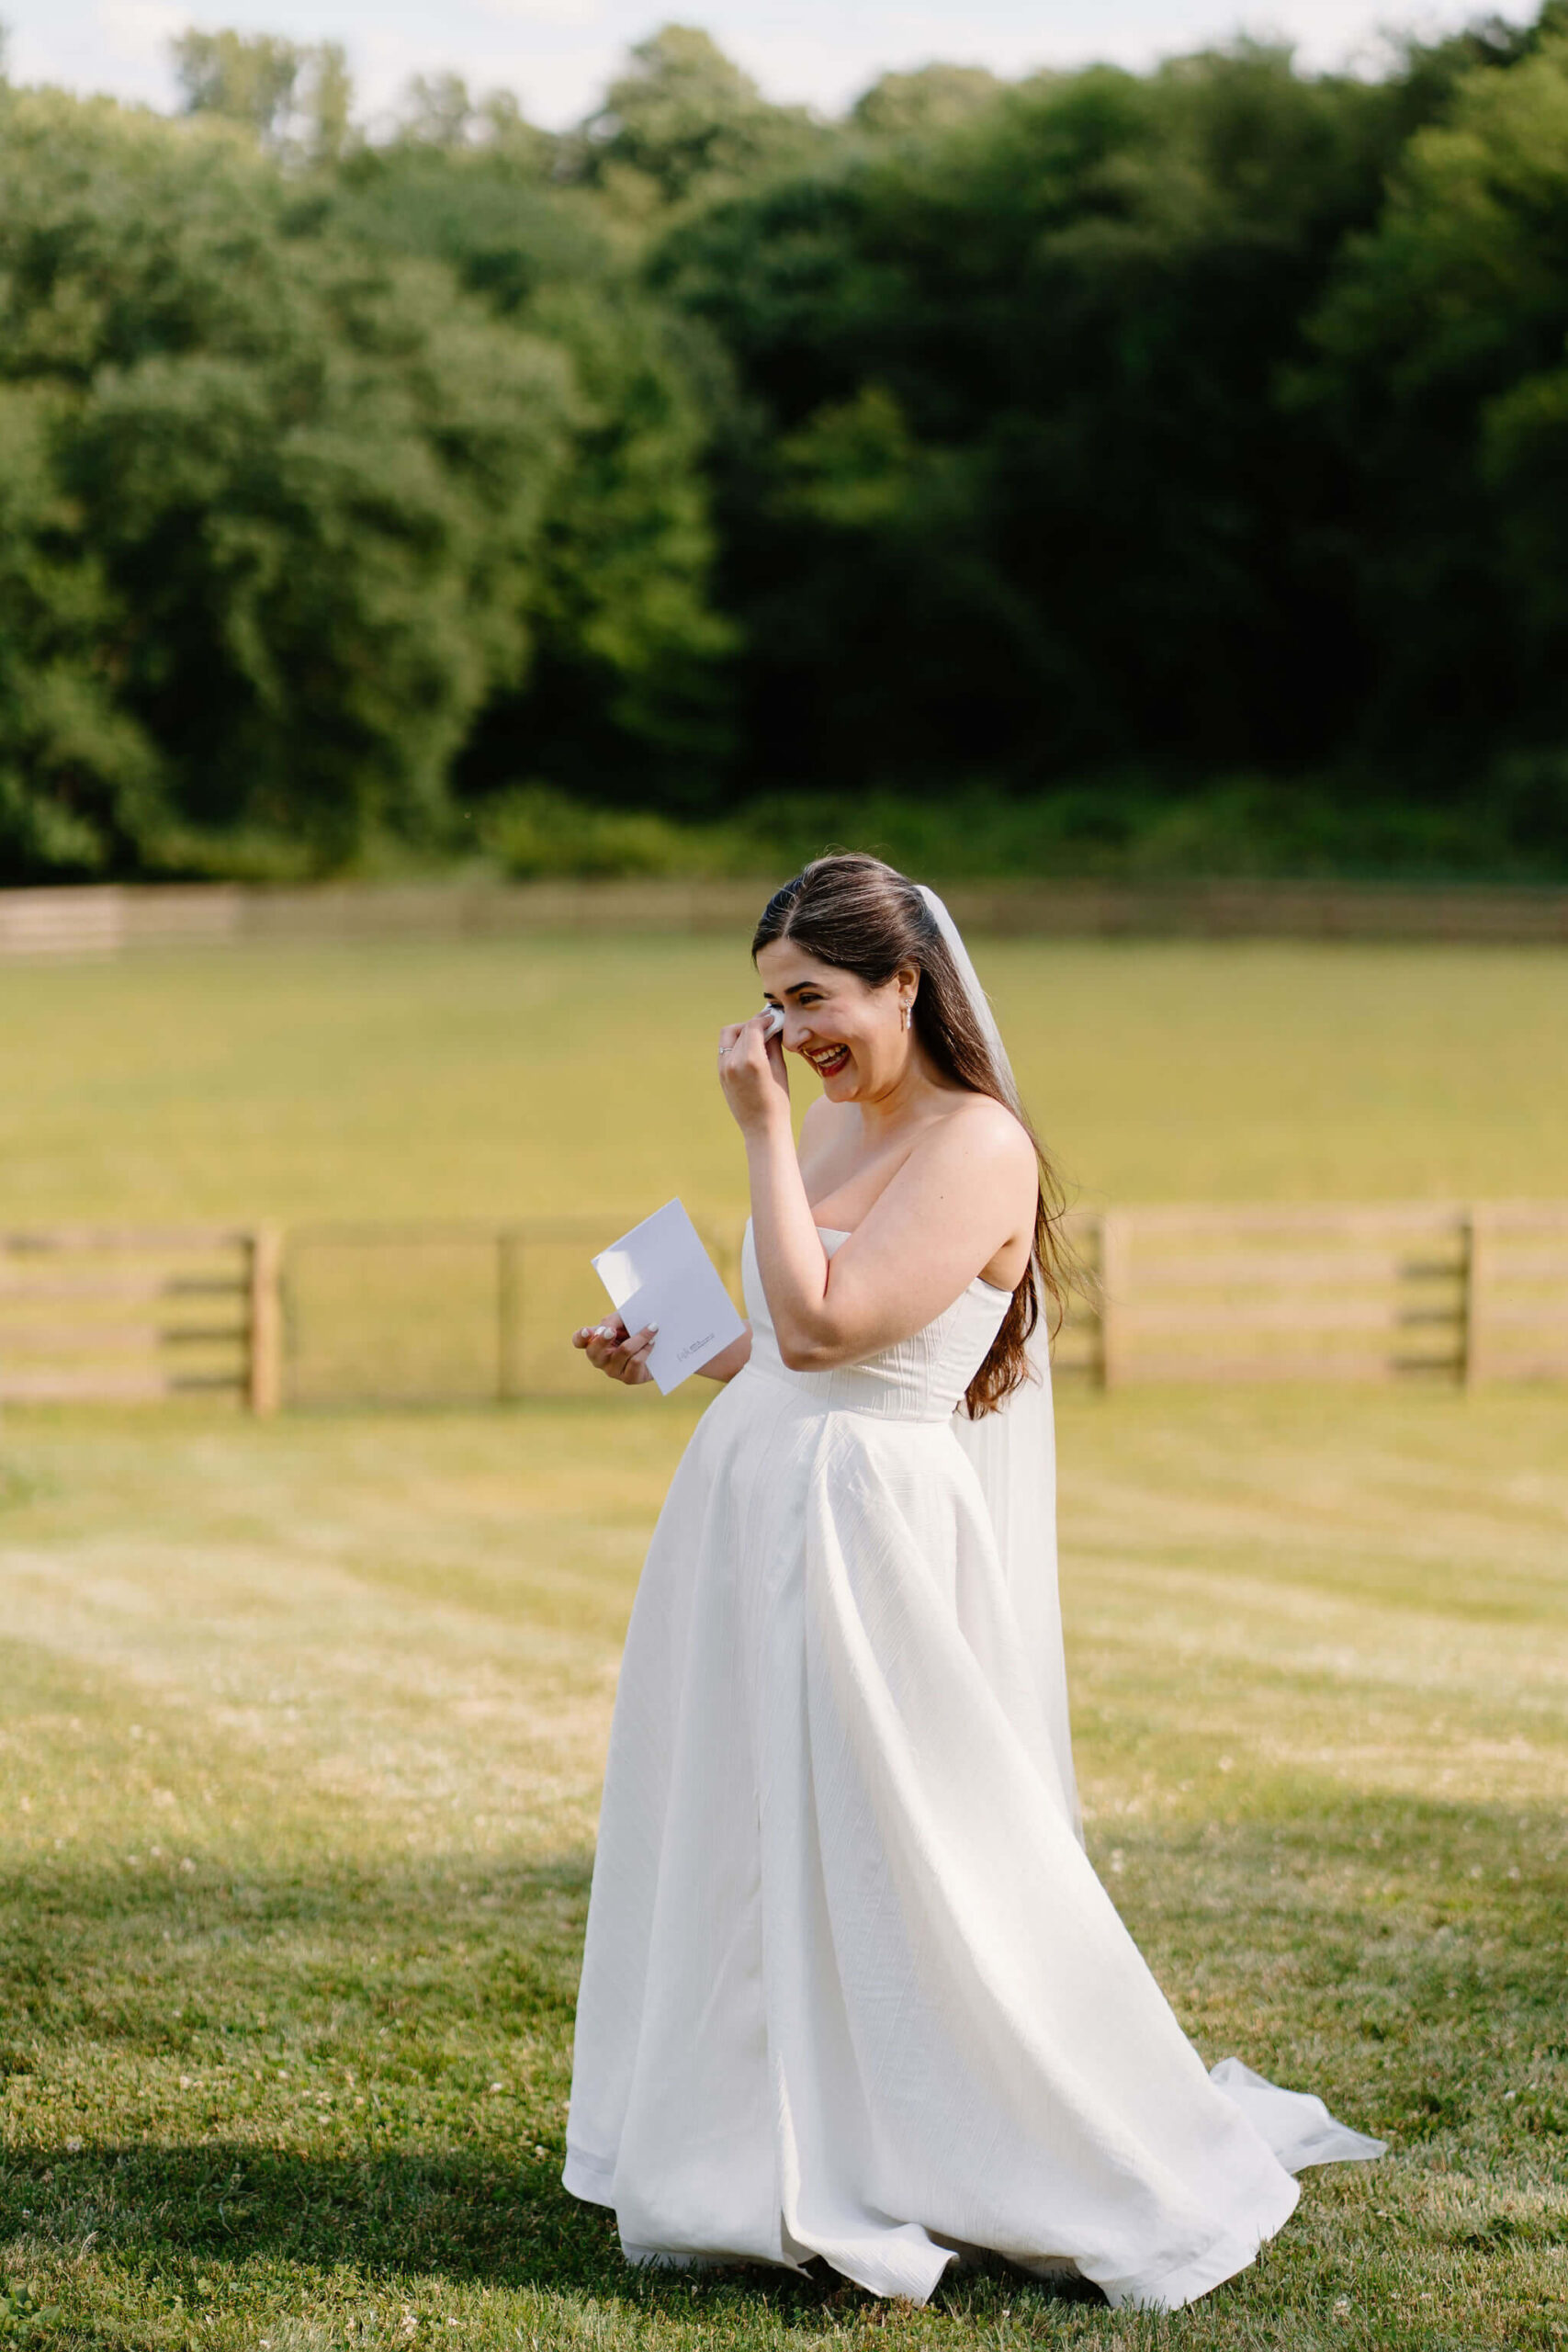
[{"x": 852, "y": 1987}]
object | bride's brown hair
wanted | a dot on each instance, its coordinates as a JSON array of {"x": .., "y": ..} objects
[{"x": 866, "y": 918}]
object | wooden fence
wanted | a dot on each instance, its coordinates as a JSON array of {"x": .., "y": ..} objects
[
  {"x": 457, "y": 1313},
  {"x": 105, "y": 918},
  {"x": 1411, "y": 1292},
  {"x": 106, "y": 1314}
]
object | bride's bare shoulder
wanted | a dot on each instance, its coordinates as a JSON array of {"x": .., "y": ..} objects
[
  {"x": 979, "y": 1127},
  {"x": 980, "y": 1153}
]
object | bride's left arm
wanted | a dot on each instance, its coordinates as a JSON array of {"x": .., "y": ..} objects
[{"x": 965, "y": 1191}]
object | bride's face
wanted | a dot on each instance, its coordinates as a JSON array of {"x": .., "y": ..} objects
[{"x": 852, "y": 1035}]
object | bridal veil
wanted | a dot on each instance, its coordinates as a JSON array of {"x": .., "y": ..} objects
[{"x": 1014, "y": 1451}]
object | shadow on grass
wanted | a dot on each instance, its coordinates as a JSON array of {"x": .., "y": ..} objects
[
  {"x": 391, "y": 2217},
  {"x": 386, "y": 2211},
  {"x": 1400, "y": 1955}
]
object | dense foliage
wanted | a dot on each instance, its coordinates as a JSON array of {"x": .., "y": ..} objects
[{"x": 1170, "y": 467}]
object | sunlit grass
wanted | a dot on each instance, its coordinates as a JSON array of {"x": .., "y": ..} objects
[
  {"x": 532, "y": 1078},
  {"x": 301, "y": 1724},
  {"x": 301, "y": 1729}
]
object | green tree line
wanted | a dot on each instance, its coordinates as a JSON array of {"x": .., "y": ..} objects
[{"x": 1099, "y": 468}]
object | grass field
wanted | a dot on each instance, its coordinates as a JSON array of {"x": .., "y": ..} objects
[
  {"x": 532, "y": 1078},
  {"x": 302, "y": 1723}
]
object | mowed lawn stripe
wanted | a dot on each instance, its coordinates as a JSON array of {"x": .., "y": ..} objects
[{"x": 300, "y": 1728}]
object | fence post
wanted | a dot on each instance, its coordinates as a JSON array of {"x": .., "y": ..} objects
[
  {"x": 1472, "y": 1360},
  {"x": 1112, "y": 1275},
  {"x": 266, "y": 1381},
  {"x": 508, "y": 1314}
]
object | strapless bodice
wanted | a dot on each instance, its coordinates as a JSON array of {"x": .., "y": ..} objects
[{"x": 922, "y": 1379}]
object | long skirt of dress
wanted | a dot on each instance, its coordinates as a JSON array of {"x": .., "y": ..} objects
[{"x": 852, "y": 1987}]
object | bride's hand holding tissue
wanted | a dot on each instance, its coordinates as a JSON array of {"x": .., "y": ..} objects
[{"x": 752, "y": 1070}]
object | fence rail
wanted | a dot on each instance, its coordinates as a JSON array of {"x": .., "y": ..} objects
[
  {"x": 462, "y": 1312},
  {"x": 102, "y": 919},
  {"x": 111, "y": 1314}
]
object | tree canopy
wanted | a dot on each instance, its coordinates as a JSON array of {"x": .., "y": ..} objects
[{"x": 1095, "y": 435}]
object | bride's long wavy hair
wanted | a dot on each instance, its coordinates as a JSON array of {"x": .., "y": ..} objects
[{"x": 866, "y": 918}]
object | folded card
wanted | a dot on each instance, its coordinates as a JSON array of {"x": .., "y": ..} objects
[{"x": 660, "y": 1273}]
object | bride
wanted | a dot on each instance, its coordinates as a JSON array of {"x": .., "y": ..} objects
[{"x": 851, "y": 1989}]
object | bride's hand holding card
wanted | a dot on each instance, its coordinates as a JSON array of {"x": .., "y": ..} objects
[{"x": 660, "y": 1274}]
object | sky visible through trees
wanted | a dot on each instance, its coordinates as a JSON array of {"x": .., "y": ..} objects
[{"x": 559, "y": 55}]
